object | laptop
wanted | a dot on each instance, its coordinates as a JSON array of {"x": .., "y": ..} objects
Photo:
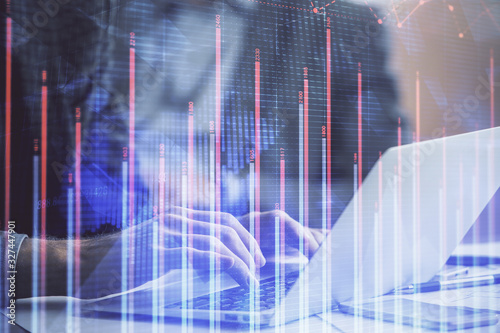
[{"x": 400, "y": 227}]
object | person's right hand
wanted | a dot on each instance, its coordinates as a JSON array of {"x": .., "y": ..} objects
[
  {"x": 184, "y": 232},
  {"x": 227, "y": 240}
]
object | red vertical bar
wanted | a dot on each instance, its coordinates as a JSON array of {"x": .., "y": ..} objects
[
  {"x": 282, "y": 194},
  {"x": 399, "y": 173},
  {"x": 360, "y": 126},
  {"x": 78, "y": 150},
  {"x": 257, "y": 144},
  {"x": 417, "y": 180},
  {"x": 380, "y": 235},
  {"x": 492, "y": 208},
  {"x": 131, "y": 136},
  {"x": 417, "y": 107},
  {"x": 43, "y": 184},
  {"x": 8, "y": 82},
  {"x": 306, "y": 152},
  {"x": 360, "y": 142},
  {"x": 399, "y": 145},
  {"x": 492, "y": 89},
  {"x": 217, "y": 114},
  {"x": 444, "y": 232},
  {"x": 328, "y": 124},
  {"x": 282, "y": 216}
]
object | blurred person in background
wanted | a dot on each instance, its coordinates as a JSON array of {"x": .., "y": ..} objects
[{"x": 80, "y": 52}]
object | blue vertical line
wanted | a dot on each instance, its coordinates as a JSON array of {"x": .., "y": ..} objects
[
  {"x": 277, "y": 222},
  {"x": 277, "y": 263},
  {"x": 241, "y": 140},
  {"x": 491, "y": 184},
  {"x": 264, "y": 133},
  {"x": 356, "y": 248},
  {"x": 377, "y": 264},
  {"x": 198, "y": 199},
  {"x": 154, "y": 182},
  {"x": 213, "y": 298},
  {"x": 251, "y": 127},
  {"x": 124, "y": 273},
  {"x": 396, "y": 258},
  {"x": 301, "y": 174},
  {"x": 323, "y": 219},
  {"x": 184, "y": 259},
  {"x": 247, "y": 121},
  {"x": 230, "y": 145},
  {"x": 114, "y": 198},
  {"x": 302, "y": 300},
  {"x": 224, "y": 203},
  {"x": 204, "y": 173},
  {"x": 146, "y": 209},
  {"x": 35, "y": 274},
  {"x": 442, "y": 250},
  {"x": 154, "y": 265},
  {"x": 416, "y": 255},
  {"x": 254, "y": 292},
  {"x": 234, "y": 141},
  {"x": 70, "y": 264}
]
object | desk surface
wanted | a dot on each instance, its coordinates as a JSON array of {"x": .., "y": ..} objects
[{"x": 57, "y": 320}]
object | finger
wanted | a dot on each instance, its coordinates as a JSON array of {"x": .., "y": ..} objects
[
  {"x": 245, "y": 236},
  {"x": 230, "y": 221},
  {"x": 177, "y": 258},
  {"x": 310, "y": 242},
  {"x": 239, "y": 271},
  {"x": 295, "y": 231},
  {"x": 232, "y": 240},
  {"x": 199, "y": 215},
  {"x": 318, "y": 234},
  {"x": 228, "y": 236}
]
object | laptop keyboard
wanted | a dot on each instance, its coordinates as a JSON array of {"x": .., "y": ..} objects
[{"x": 238, "y": 298}]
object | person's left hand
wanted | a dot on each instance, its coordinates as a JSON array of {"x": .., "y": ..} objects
[{"x": 293, "y": 232}]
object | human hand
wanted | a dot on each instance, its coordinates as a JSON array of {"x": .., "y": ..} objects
[
  {"x": 293, "y": 232},
  {"x": 185, "y": 232},
  {"x": 227, "y": 235},
  {"x": 101, "y": 257}
]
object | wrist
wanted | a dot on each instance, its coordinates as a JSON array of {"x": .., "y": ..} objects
[
  {"x": 93, "y": 250},
  {"x": 54, "y": 253},
  {"x": 23, "y": 268},
  {"x": 45, "y": 261}
]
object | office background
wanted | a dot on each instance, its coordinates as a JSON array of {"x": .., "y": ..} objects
[{"x": 444, "y": 55}]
